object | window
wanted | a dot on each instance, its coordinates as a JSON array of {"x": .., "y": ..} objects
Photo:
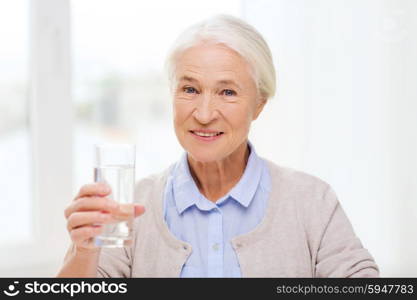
[
  {"x": 15, "y": 149},
  {"x": 35, "y": 159}
]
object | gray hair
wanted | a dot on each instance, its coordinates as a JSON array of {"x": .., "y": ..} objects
[{"x": 238, "y": 36}]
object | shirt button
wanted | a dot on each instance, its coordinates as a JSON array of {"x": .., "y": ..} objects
[{"x": 215, "y": 247}]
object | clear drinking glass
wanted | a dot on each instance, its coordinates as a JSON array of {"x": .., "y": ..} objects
[{"x": 115, "y": 165}]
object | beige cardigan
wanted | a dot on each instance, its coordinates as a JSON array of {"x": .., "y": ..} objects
[{"x": 305, "y": 233}]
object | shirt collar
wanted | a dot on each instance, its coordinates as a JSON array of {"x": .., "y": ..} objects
[
  {"x": 186, "y": 192},
  {"x": 245, "y": 189}
]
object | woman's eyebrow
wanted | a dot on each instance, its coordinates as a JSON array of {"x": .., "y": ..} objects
[
  {"x": 228, "y": 81},
  {"x": 219, "y": 82},
  {"x": 188, "y": 78}
]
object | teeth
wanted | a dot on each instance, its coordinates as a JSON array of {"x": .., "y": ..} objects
[{"x": 206, "y": 134}]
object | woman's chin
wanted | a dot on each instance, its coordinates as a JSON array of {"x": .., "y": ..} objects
[
  {"x": 204, "y": 154},
  {"x": 203, "y": 157}
]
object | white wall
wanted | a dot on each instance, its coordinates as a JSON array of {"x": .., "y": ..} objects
[{"x": 346, "y": 111}]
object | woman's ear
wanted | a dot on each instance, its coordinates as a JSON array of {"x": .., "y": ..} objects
[{"x": 259, "y": 107}]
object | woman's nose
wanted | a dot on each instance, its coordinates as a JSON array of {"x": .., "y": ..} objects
[{"x": 205, "y": 110}]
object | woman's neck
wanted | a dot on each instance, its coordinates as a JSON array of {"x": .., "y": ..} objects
[{"x": 215, "y": 179}]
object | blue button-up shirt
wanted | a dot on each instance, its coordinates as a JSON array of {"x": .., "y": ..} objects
[{"x": 209, "y": 227}]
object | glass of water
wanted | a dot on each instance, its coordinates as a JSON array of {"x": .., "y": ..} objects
[{"x": 115, "y": 166}]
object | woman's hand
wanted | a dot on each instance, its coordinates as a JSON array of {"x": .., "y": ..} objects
[{"x": 89, "y": 211}]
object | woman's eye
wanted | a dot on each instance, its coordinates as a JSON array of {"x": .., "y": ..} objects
[
  {"x": 189, "y": 90},
  {"x": 228, "y": 92}
]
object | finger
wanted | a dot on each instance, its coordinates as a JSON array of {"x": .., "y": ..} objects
[
  {"x": 89, "y": 204},
  {"x": 79, "y": 219},
  {"x": 127, "y": 211},
  {"x": 84, "y": 235},
  {"x": 139, "y": 210},
  {"x": 94, "y": 189},
  {"x": 124, "y": 212}
]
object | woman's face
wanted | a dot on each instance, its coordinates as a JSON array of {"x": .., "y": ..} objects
[{"x": 215, "y": 101}]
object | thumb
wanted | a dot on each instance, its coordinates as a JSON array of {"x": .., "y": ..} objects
[{"x": 139, "y": 210}]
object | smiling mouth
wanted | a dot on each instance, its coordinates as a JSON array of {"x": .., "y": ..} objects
[{"x": 206, "y": 134}]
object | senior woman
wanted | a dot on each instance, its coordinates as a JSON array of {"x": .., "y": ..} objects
[{"x": 221, "y": 210}]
